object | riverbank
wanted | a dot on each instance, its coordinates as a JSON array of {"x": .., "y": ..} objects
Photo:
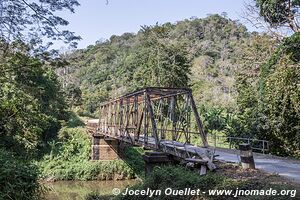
[
  {"x": 228, "y": 177},
  {"x": 69, "y": 159},
  {"x": 78, "y": 190}
]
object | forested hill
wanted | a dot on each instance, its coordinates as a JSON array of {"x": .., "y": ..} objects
[
  {"x": 245, "y": 84},
  {"x": 199, "y": 53}
]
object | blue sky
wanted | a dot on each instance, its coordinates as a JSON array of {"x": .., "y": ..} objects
[{"x": 95, "y": 19}]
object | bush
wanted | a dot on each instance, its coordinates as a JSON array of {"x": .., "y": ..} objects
[
  {"x": 18, "y": 179},
  {"x": 31, "y": 104},
  {"x": 69, "y": 159}
]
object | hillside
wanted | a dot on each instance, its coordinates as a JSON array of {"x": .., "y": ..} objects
[
  {"x": 230, "y": 70},
  {"x": 207, "y": 53},
  {"x": 245, "y": 85}
]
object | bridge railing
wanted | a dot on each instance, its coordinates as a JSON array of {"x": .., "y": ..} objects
[
  {"x": 92, "y": 126},
  {"x": 214, "y": 140},
  {"x": 230, "y": 142}
]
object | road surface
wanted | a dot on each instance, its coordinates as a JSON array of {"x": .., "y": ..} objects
[{"x": 289, "y": 168}]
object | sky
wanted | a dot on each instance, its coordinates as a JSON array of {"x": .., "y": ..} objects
[{"x": 96, "y": 19}]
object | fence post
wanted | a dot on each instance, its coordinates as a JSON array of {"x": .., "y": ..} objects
[{"x": 246, "y": 155}]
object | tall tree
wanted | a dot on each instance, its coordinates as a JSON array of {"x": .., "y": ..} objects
[
  {"x": 281, "y": 13},
  {"x": 31, "y": 21},
  {"x": 160, "y": 60},
  {"x": 31, "y": 103},
  {"x": 274, "y": 109}
]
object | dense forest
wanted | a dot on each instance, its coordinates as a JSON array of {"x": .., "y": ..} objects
[{"x": 244, "y": 83}]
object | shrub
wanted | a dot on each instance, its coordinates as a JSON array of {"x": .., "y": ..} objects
[
  {"x": 69, "y": 159},
  {"x": 18, "y": 179}
]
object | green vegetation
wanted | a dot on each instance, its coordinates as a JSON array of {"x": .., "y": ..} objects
[
  {"x": 199, "y": 53},
  {"x": 280, "y": 13},
  {"x": 239, "y": 79},
  {"x": 69, "y": 160},
  {"x": 18, "y": 178},
  {"x": 270, "y": 104},
  {"x": 31, "y": 101},
  {"x": 177, "y": 177},
  {"x": 245, "y": 84},
  {"x": 31, "y": 104}
]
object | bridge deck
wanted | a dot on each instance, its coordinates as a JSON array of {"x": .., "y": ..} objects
[{"x": 179, "y": 150}]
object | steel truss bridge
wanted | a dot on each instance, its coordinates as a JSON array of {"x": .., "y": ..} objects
[{"x": 162, "y": 119}]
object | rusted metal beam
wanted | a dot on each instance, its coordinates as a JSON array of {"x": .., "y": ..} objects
[
  {"x": 198, "y": 121},
  {"x": 153, "y": 122},
  {"x": 132, "y": 114}
]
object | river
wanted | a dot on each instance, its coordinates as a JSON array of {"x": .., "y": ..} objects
[{"x": 77, "y": 190}]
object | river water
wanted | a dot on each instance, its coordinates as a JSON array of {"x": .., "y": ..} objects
[{"x": 77, "y": 190}]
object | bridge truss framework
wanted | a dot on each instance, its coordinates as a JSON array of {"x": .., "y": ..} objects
[{"x": 152, "y": 115}]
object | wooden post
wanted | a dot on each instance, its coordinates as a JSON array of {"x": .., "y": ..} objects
[
  {"x": 246, "y": 154},
  {"x": 203, "y": 170}
]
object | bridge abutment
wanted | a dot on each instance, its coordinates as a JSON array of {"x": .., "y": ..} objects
[{"x": 104, "y": 148}]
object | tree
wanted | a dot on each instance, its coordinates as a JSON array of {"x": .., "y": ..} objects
[
  {"x": 282, "y": 100},
  {"x": 279, "y": 18},
  {"x": 159, "y": 60},
  {"x": 31, "y": 21},
  {"x": 31, "y": 103},
  {"x": 73, "y": 95},
  {"x": 274, "y": 109},
  {"x": 280, "y": 13}
]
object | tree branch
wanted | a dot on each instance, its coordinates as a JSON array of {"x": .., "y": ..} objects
[{"x": 41, "y": 16}]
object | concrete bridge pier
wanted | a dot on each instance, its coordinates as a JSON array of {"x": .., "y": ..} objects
[{"x": 104, "y": 148}]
